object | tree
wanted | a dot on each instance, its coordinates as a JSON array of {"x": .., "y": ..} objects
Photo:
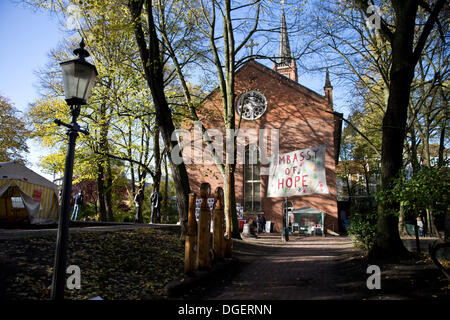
[
  {"x": 407, "y": 42},
  {"x": 426, "y": 191},
  {"x": 13, "y": 133},
  {"x": 388, "y": 54},
  {"x": 153, "y": 66}
]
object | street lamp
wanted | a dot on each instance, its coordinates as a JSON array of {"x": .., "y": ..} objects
[{"x": 79, "y": 78}]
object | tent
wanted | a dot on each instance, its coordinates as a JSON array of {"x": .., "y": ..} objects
[
  {"x": 26, "y": 195},
  {"x": 309, "y": 220}
]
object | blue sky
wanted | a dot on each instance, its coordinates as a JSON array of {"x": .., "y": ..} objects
[{"x": 26, "y": 38}]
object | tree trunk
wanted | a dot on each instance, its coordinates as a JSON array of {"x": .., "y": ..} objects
[
  {"x": 232, "y": 223},
  {"x": 349, "y": 189},
  {"x": 367, "y": 179},
  {"x": 432, "y": 224},
  {"x": 235, "y": 234},
  {"x": 130, "y": 156},
  {"x": 388, "y": 243},
  {"x": 447, "y": 225},
  {"x": 401, "y": 222},
  {"x": 414, "y": 161},
  {"x": 141, "y": 185},
  {"x": 101, "y": 193},
  {"x": 108, "y": 192},
  {"x": 442, "y": 138},
  {"x": 157, "y": 174},
  {"x": 153, "y": 69},
  {"x": 166, "y": 190}
]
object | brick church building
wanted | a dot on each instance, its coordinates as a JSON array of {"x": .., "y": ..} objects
[{"x": 304, "y": 119}]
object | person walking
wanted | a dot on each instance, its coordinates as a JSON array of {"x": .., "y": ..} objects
[
  {"x": 155, "y": 200},
  {"x": 78, "y": 202},
  {"x": 138, "y": 200}
]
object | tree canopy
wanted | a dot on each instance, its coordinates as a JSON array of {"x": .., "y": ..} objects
[{"x": 13, "y": 134}]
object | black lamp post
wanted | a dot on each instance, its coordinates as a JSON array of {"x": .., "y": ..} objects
[
  {"x": 79, "y": 78},
  {"x": 285, "y": 231}
]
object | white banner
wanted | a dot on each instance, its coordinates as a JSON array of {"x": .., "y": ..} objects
[{"x": 298, "y": 173}]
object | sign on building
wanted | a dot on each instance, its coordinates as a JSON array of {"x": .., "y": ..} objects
[{"x": 298, "y": 173}]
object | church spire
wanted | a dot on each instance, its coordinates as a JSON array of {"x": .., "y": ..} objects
[
  {"x": 327, "y": 80},
  {"x": 285, "y": 50},
  {"x": 328, "y": 88},
  {"x": 285, "y": 63}
]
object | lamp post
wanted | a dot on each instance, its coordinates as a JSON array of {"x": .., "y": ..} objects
[
  {"x": 79, "y": 78},
  {"x": 285, "y": 230}
]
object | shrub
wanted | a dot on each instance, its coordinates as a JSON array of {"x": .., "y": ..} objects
[{"x": 363, "y": 228}]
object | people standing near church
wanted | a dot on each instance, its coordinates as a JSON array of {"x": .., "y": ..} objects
[
  {"x": 155, "y": 200},
  {"x": 420, "y": 225},
  {"x": 78, "y": 202},
  {"x": 138, "y": 200},
  {"x": 258, "y": 224},
  {"x": 263, "y": 224}
]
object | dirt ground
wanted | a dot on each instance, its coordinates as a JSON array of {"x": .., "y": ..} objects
[{"x": 130, "y": 264}]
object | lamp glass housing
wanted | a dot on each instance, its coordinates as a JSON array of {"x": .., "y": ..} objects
[{"x": 78, "y": 78}]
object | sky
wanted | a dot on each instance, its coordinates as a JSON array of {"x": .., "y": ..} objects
[{"x": 27, "y": 37}]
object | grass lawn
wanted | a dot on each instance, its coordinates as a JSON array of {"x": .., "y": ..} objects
[{"x": 134, "y": 264}]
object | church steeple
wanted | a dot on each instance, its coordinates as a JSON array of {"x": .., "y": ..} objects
[
  {"x": 285, "y": 63},
  {"x": 328, "y": 88},
  {"x": 285, "y": 50}
]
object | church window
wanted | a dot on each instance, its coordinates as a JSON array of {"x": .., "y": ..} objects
[
  {"x": 252, "y": 183},
  {"x": 252, "y": 105}
]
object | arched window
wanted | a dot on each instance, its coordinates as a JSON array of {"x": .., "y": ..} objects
[{"x": 252, "y": 183}]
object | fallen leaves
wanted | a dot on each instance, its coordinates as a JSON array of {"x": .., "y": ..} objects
[{"x": 133, "y": 264}]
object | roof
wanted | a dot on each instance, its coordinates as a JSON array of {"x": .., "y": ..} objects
[
  {"x": 15, "y": 171},
  {"x": 308, "y": 212},
  {"x": 285, "y": 79}
]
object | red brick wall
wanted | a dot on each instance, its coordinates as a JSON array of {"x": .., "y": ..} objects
[{"x": 298, "y": 114}]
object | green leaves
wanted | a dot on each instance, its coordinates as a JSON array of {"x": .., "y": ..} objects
[
  {"x": 13, "y": 133},
  {"x": 426, "y": 189},
  {"x": 363, "y": 228}
]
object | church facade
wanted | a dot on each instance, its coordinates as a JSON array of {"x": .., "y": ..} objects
[{"x": 273, "y": 100}]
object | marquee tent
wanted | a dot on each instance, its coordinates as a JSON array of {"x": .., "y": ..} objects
[
  {"x": 24, "y": 191},
  {"x": 309, "y": 220}
]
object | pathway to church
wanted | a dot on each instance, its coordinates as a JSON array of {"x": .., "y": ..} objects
[{"x": 303, "y": 268}]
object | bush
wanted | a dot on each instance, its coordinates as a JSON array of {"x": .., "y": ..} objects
[
  {"x": 87, "y": 211},
  {"x": 124, "y": 216},
  {"x": 363, "y": 228}
]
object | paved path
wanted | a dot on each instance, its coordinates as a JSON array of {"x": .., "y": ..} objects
[{"x": 303, "y": 268}]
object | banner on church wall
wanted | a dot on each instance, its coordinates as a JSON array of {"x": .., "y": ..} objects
[{"x": 298, "y": 173}]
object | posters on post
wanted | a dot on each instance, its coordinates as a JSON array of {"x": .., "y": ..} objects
[{"x": 297, "y": 173}]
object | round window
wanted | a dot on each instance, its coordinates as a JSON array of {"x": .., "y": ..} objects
[{"x": 252, "y": 104}]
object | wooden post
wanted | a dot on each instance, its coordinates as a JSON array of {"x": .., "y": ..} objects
[
  {"x": 218, "y": 236},
  {"x": 191, "y": 237},
  {"x": 204, "y": 235}
]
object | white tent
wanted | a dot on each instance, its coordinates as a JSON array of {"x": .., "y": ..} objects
[{"x": 38, "y": 194}]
